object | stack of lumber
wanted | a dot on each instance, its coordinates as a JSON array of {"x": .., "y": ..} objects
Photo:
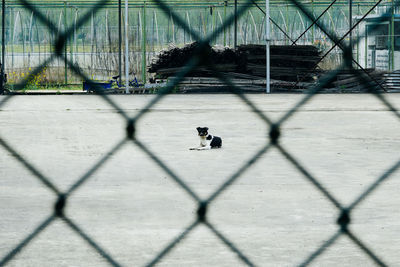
[
  {"x": 345, "y": 82},
  {"x": 293, "y": 69},
  {"x": 171, "y": 61},
  {"x": 355, "y": 81},
  {"x": 245, "y": 67},
  {"x": 288, "y": 63}
]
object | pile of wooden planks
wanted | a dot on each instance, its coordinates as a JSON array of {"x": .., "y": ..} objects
[
  {"x": 359, "y": 81},
  {"x": 293, "y": 69},
  {"x": 346, "y": 81},
  {"x": 171, "y": 61},
  {"x": 288, "y": 63},
  {"x": 244, "y": 66}
]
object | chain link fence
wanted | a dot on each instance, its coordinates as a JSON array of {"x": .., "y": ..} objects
[{"x": 200, "y": 59}]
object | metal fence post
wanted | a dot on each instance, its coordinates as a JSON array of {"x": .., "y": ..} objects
[
  {"x": 358, "y": 35},
  {"x": 2, "y": 75},
  {"x": 71, "y": 45},
  {"x": 144, "y": 36},
  {"x": 126, "y": 48},
  {"x": 351, "y": 25},
  {"x": 287, "y": 22},
  {"x": 225, "y": 4},
  {"x": 3, "y": 34},
  {"x": 267, "y": 56},
  {"x": 235, "y": 30},
  {"x": 65, "y": 45},
  {"x": 312, "y": 29},
  {"x": 12, "y": 34},
  {"x": 366, "y": 47},
  {"x": 392, "y": 39},
  {"x": 119, "y": 42}
]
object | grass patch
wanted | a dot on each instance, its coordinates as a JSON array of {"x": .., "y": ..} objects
[{"x": 51, "y": 87}]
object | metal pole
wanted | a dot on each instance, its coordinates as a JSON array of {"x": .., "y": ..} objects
[
  {"x": 71, "y": 46},
  {"x": 65, "y": 45},
  {"x": 392, "y": 40},
  {"x": 3, "y": 35},
  {"x": 366, "y": 47},
  {"x": 235, "y": 33},
  {"x": 358, "y": 36},
  {"x": 312, "y": 29},
  {"x": 214, "y": 22},
  {"x": 126, "y": 49},
  {"x": 225, "y": 4},
  {"x": 119, "y": 42},
  {"x": 351, "y": 25},
  {"x": 3, "y": 50},
  {"x": 144, "y": 37},
  {"x": 12, "y": 29},
  {"x": 287, "y": 22},
  {"x": 267, "y": 56}
]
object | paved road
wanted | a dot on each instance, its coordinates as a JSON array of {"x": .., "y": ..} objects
[{"x": 133, "y": 208}]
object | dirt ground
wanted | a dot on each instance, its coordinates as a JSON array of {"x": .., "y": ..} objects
[{"x": 132, "y": 208}]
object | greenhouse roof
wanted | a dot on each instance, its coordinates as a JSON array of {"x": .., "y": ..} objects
[{"x": 185, "y": 2}]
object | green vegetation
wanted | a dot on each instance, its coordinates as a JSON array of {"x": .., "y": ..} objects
[{"x": 49, "y": 87}]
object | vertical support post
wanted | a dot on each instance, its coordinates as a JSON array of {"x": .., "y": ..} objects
[
  {"x": 92, "y": 43},
  {"x": 184, "y": 32},
  {"x": 225, "y": 4},
  {"x": 75, "y": 39},
  {"x": 358, "y": 36},
  {"x": 189, "y": 24},
  {"x": 65, "y": 44},
  {"x": 212, "y": 22},
  {"x": 126, "y": 49},
  {"x": 350, "y": 26},
  {"x": 3, "y": 50},
  {"x": 215, "y": 22},
  {"x": 168, "y": 30},
  {"x": 366, "y": 47},
  {"x": 173, "y": 29},
  {"x": 158, "y": 36},
  {"x": 312, "y": 28},
  {"x": 71, "y": 41},
  {"x": 152, "y": 31},
  {"x": 235, "y": 25},
  {"x": 120, "y": 42},
  {"x": 267, "y": 56},
  {"x": 12, "y": 29},
  {"x": 392, "y": 39},
  {"x": 107, "y": 46},
  {"x": 3, "y": 35},
  {"x": 287, "y": 22},
  {"x": 144, "y": 37}
]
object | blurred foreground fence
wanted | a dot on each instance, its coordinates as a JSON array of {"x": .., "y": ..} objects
[{"x": 65, "y": 36}]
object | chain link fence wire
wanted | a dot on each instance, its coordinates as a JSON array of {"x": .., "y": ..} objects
[{"x": 201, "y": 58}]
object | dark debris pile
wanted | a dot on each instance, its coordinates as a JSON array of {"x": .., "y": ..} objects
[{"x": 293, "y": 69}]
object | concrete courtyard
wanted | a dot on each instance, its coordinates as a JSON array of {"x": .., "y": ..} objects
[{"x": 132, "y": 208}]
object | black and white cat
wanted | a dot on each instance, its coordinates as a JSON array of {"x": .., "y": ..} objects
[{"x": 207, "y": 141}]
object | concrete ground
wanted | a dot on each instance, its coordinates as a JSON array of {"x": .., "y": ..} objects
[{"x": 133, "y": 209}]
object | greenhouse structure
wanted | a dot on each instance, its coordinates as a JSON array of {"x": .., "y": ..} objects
[{"x": 96, "y": 46}]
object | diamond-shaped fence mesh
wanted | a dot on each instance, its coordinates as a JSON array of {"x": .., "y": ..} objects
[{"x": 201, "y": 57}]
